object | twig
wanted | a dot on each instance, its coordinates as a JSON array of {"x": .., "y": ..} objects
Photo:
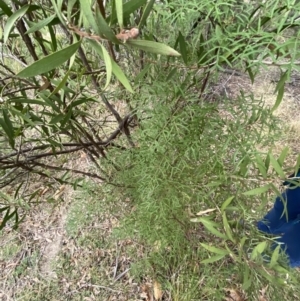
[
  {"x": 117, "y": 262},
  {"x": 122, "y": 274}
]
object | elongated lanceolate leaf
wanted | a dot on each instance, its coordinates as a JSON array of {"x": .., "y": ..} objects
[
  {"x": 40, "y": 24},
  {"x": 116, "y": 70},
  {"x": 11, "y": 21},
  {"x": 119, "y": 9},
  {"x": 153, "y": 47},
  {"x": 49, "y": 62}
]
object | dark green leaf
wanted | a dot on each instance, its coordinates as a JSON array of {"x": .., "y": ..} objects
[
  {"x": 182, "y": 47},
  {"x": 49, "y": 62},
  {"x": 146, "y": 13},
  {"x": 117, "y": 71},
  {"x": 128, "y": 8},
  {"x": 103, "y": 29},
  {"x": 5, "y": 8}
]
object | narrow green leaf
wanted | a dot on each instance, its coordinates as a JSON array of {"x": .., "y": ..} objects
[
  {"x": 213, "y": 259},
  {"x": 108, "y": 64},
  {"x": 11, "y": 21},
  {"x": 116, "y": 70},
  {"x": 61, "y": 84},
  {"x": 57, "y": 118},
  {"x": 153, "y": 47},
  {"x": 103, "y": 29},
  {"x": 57, "y": 5},
  {"x": 275, "y": 256},
  {"x": 8, "y": 128},
  {"x": 87, "y": 11},
  {"x": 23, "y": 116},
  {"x": 119, "y": 10},
  {"x": 276, "y": 166},
  {"x": 283, "y": 155},
  {"x": 280, "y": 90},
  {"x": 251, "y": 75},
  {"x": 5, "y": 8},
  {"x": 67, "y": 118},
  {"x": 261, "y": 166},
  {"x": 258, "y": 249},
  {"x": 227, "y": 227},
  {"x": 171, "y": 74},
  {"x": 26, "y": 100},
  {"x": 140, "y": 76},
  {"x": 71, "y": 4},
  {"x": 146, "y": 13},
  {"x": 49, "y": 62},
  {"x": 267, "y": 161},
  {"x": 40, "y": 24},
  {"x": 258, "y": 191},
  {"x": 278, "y": 98},
  {"x": 80, "y": 101},
  {"x": 246, "y": 278},
  {"x": 210, "y": 226},
  {"x": 226, "y": 203},
  {"x": 53, "y": 38},
  {"x": 182, "y": 47},
  {"x": 214, "y": 249},
  {"x": 128, "y": 8}
]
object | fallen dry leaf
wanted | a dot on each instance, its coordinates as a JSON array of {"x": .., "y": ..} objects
[
  {"x": 146, "y": 292},
  {"x": 262, "y": 296},
  {"x": 234, "y": 295},
  {"x": 206, "y": 211},
  {"x": 157, "y": 290}
]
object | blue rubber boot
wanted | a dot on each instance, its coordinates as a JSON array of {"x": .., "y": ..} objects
[
  {"x": 278, "y": 221},
  {"x": 290, "y": 243},
  {"x": 286, "y": 223}
]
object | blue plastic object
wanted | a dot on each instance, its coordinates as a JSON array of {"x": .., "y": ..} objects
[{"x": 286, "y": 223}]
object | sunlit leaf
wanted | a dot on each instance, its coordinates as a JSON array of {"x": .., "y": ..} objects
[
  {"x": 283, "y": 155},
  {"x": 210, "y": 226},
  {"x": 108, "y": 65},
  {"x": 213, "y": 259},
  {"x": 227, "y": 203},
  {"x": 214, "y": 249},
  {"x": 258, "y": 249},
  {"x": 119, "y": 10},
  {"x": 11, "y": 21},
  {"x": 276, "y": 166},
  {"x": 258, "y": 191},
  {"x": 275, "y": 256},
  {"x": 153, "y": 47}
]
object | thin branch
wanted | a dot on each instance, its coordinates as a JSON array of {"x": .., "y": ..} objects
[{"x": 89, "y": 174}]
